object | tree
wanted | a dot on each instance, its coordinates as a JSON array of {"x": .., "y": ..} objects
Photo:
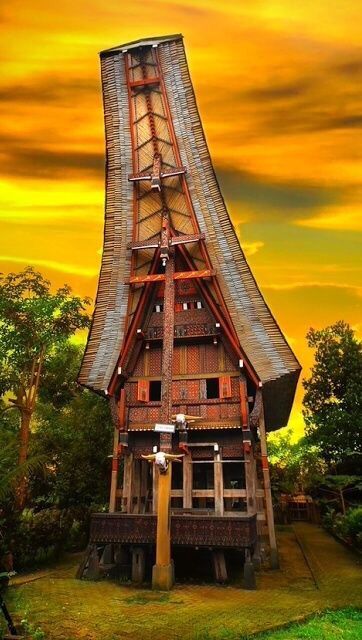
[
  {"x": 77, "y": 441},
  {"x": 333, "y": 397},
  {"x": 33, "y": 323},
  {"x": 295, "y": 466}
]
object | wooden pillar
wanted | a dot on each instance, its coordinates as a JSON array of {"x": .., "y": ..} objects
[
  {"x": 250, "y": 467},
  {"x": 127, "y": 483},
  {"x": 162, "y": 572},
  {"x": 144, "y": 483},
  {"x": 138, "y": 565},
  {"x": 274, "y": 560},
  {"x": 136, "y": 488},
  {"x": 219, "y": 564},
  {"x": 115, "y": 459},
  {"x": 187, "y": 481},
  {"x": 154, "y": 489},
  {"x": 218, "y": 485}
]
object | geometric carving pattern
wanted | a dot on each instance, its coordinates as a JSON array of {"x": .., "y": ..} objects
[{"x": 186, "y": 530}]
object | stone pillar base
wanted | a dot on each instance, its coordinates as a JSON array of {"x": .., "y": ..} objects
[{"x": 163, "y": 577}]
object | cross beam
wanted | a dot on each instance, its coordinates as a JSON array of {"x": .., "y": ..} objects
[
  {"x": 179, "y": 275},
  {"x": 157, "y": 175}
]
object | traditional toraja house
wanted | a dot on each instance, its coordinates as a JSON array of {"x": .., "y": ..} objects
[{"x": 182, "y": 341}]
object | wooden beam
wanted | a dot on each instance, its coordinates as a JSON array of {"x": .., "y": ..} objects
[
  {"x": 143, "y": 82},
  {"x": 180, "y": 275}
]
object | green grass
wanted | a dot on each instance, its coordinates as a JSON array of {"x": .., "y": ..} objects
[{"x": 345, "y": 624}]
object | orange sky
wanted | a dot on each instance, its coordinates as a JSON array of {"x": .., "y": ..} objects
[{"x": 279, "y": 89}]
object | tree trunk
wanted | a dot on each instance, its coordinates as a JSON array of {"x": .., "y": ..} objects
[
  {"x": 343, "y": 504},
  {"x": 21, "y": 490}
]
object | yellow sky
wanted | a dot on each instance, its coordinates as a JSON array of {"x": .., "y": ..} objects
[{"x": 279, "y": 90}]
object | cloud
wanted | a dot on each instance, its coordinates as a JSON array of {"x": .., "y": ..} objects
[
  {"x": 314, "y": 284},
  {"x": 250, "y": 248},
  {"x": 275, "y": 199},
  {"x": 55, "y": 89},
  {"x": 51, "y": 264},
  {"x": 23, "y": 159}
]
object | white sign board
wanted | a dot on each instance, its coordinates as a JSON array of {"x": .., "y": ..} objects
[{"x": 165, "y": 428}]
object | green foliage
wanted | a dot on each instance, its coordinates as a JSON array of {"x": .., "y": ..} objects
[
  {"x": 33, "y": 320},
  {"x": 333, "y": 396},
  {"x": 348, "y": 527},
  {"x": 295, "y": 466},
  {"x": 77, "y": 440}
]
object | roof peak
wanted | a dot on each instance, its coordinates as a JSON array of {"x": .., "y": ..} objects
[{"x": 142, "y": 42}]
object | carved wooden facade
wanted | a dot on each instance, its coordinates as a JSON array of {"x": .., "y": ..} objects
[{"x": 180, "y": 326}]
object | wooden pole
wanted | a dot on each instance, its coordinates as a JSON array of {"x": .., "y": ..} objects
[
  {"x": 115, "y": 460},
  {"x": 274, "y": 560},
  {"x": 187, "y": 482},
  {"x": 218, "y": 485},
  {"x": 163, "y": 573}
]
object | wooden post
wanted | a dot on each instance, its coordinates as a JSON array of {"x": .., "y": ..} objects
[
  {"x": 154, "y": 489},
  {"x": 162, "y": 572},
  {"x": 127, "y": 482},
  {"x": 274, "y": 560},
  {"x": 218, "y": 485},
  {"x": 138, "y": 565},
  {"x": 187, "y": 482},
  {"x": 250, "y": 467},
  {"x": 115, "y": 460}
]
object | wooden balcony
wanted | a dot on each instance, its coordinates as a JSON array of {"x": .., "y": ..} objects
[{"x": 187, "y": 530}]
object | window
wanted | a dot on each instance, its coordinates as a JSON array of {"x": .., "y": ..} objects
[
  {"x": 155, "y": 390},
  {"x": 212, "y": 388},
  {"x": 199, "y": 304},
  {"x": 185, "y": 306}
]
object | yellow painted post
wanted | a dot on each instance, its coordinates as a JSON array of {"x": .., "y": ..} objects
[{"x": 163, "y": 571}]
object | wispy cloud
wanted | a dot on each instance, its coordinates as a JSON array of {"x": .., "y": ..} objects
[
  {"x": 250, "y": 248},
  {"x": 288, "y": 286},
  {"x": 51, "y": 264}
]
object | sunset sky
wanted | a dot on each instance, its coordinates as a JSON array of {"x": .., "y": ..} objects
[{"x": 279, "y": 87}]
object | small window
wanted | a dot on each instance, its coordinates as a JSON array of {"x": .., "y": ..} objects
[
  {"x": 199, "y": 304},
  {"x": 155, "y": 390},
  {"x": 185, "y": 306},
  {"x": 212, "y": 388}
]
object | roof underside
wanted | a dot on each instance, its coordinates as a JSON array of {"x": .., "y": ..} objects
[{"x": 134, "y": 214}]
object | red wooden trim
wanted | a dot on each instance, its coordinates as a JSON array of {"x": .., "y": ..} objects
[
  {"x": 187, "y": 275},
  {"x": 122, "y": 410},
  {"x": 144, "y": 81},
  {"x": 264, "y": 462},
  {"x": 244, "y": 408},
  {"x": 143, "y": 391},
  {"x": 225, "y": 387}
]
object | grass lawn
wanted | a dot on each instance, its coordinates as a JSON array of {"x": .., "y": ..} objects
[
  {"x": 345, "y": 624},
  {"x": 59, "y": 607}
]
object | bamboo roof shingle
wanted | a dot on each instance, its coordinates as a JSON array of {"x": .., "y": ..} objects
[{"x": 129, "y": 149}]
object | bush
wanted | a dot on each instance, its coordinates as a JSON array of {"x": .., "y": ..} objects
[
  {"x": 348, "y": 527},
  {"x": 38, "y": 537},
  {"x": 354, "y": 525}
]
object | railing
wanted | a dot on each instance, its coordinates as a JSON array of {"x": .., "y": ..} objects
[{"x": 186, "y": 529}]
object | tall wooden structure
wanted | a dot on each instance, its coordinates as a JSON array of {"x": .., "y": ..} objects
[{"x": 181, "y": 333}]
